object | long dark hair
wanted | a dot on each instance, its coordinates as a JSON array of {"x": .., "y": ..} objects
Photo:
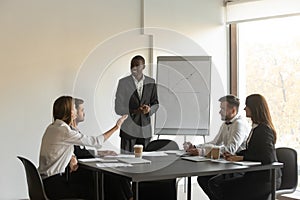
[
  {"x": 62, "y": 109},
  {"x": 260, "y": 112}
]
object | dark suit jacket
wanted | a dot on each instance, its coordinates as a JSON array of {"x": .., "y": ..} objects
[
  {"x": 127, "y": 101},
  {"x": 261, "y": 148},
  {"x": 82, "y": 152},
  {"x": 251, "y": 185}
]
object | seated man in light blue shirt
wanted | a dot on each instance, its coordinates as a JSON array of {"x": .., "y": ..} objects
[{"x": 232, "y": 135}]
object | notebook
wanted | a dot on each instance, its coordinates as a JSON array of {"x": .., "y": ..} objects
[{"x": 134, "y": 160}]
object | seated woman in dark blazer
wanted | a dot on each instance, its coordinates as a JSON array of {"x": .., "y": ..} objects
[{"x": 260, "y": 147}]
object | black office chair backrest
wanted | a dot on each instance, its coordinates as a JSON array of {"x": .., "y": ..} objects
[
  {"x": 289, "y": 179},
  {"x": 34, "y": 182},
  {"x": 162, "y": 145}
]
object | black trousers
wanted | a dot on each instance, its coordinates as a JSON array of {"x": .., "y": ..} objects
[
  {"x": 240, "y": 186},
  {"x": 127, "y": 144},
  {"x": 116, "y": 187},
  {"x": 203, "y": 183},
  {"x": 80, "y": 184},
  {"x": 157, "y": 190},
  {"x": 59, "y": 187},
  {"x": 204, "y": 180}
]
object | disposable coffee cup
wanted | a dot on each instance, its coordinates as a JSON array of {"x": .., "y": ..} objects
[
  {"x": 138, "y": 150},
  {"x": 215, "y": 152},
  {"x": 207, "y": 150}
]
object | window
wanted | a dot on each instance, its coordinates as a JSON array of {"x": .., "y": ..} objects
[{"x": 269, "y": 64}]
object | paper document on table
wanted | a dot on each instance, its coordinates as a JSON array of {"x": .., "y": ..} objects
[
  {"x": 89, "y": 159},
  {"x": 134, "y": 160},
  {"x": 245, "y": 163},
  {"x": 101, "y": 165},
  {"x": 155, "y": 153},
  {"x": 196, "y": 158},
  {"x": 97, "y": 160},
  {"x": 182, "y": 153},
  {"x": 174, "y": 151},
  {"x": 221, "y": 161},
  {"x": 121, "y": 156}
]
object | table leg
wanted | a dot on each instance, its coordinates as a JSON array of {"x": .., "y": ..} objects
[
  {"x": 273, "y": 184},
  {"x": 189, "y": 188},
  {"x": 102, "y": 185},
  {"x": 96, "y": 185},
  {"x": 136, "y": 190}
]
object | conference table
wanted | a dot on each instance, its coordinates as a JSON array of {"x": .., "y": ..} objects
[{"x": 173, "y": 166}]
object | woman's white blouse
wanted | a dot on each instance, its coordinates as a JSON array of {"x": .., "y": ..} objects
[{"x": 58, "y": 146}]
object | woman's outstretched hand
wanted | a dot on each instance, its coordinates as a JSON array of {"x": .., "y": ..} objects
[{"x": 121, "y": 120}]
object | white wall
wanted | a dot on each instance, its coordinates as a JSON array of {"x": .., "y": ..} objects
[{"x": 50, "y": 48}]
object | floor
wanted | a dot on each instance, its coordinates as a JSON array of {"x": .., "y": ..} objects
[
  {"x": 293, "y": 196},
  {"x": 197, "y": 192}
]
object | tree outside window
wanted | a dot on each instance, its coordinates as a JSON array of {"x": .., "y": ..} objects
[{"x": 269, "y": 64}]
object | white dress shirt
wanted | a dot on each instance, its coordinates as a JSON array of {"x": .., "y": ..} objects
[
  {"x": 139, "y": 85},
  {"x": 233, "y": 136},
  {"x": 57, "y": 147},
  {"x": 251, "y": 132}
]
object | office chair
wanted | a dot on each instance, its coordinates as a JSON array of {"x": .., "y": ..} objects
[
  {"x": 162, "y": 145},
  {"x": 163, "y": 189},
  {"x": 289, "y": 179},
  {"x": 34, "y": 182}
]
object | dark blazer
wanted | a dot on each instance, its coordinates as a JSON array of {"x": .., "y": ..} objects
[
  {"x": 82, "y": 152},
  {"x": 251, "y": 185},
  {"x": 127, "y": 101},
  {"x": 261, "y": 148}
]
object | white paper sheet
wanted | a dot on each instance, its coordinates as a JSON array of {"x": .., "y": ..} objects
[
  {"x": 196, "y": 158},
  {"x": 101, "y": 165},
  {"x": 135, "y": 160},
  {"x": 97, "y": 160},
  {"x": 121, "y": 156},
  {"x": 245, "y": 163},
  {"x": 155, "y": 153}
]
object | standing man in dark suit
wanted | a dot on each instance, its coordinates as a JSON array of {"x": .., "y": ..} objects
[{"x": 136, "y": 96}]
